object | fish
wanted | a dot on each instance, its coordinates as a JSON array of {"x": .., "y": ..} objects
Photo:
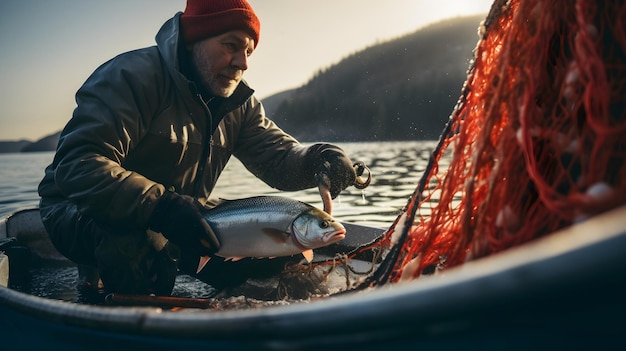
[{"x": 270, "y": 226}]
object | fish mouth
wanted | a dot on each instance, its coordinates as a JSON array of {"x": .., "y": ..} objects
[{"x": 334, "y": 237}]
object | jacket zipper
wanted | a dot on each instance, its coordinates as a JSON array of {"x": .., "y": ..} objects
[{"x": 206, "y": 150}]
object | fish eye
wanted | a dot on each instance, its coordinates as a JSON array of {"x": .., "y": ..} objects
[{"x": 324, "y": 224}]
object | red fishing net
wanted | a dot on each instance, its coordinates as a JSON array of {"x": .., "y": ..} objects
[{"x": 536, "y": 143}]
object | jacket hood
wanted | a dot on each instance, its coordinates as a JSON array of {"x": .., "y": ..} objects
[{"x": 169, "y": 43}]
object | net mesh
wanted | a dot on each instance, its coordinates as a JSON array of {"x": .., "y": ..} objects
[{"x": 536, "y": 142}]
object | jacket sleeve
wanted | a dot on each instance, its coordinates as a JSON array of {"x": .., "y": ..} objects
[
  {"x": 114, "y": 110},
  {"x": 270, "y": 153}
]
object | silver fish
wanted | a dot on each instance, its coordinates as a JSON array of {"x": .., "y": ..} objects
[{"x": 271, "y": 226}]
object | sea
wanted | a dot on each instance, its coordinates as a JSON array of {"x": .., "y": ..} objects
[{"x": 396, "y": 168}]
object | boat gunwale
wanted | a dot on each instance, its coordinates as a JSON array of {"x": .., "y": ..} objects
[{"x": 550, "y": 263}]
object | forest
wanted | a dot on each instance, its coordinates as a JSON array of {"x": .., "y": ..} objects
[{"x": 402, "y": 89}]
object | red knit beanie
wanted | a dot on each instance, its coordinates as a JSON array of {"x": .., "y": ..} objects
[{"x": 206, "y": 18}]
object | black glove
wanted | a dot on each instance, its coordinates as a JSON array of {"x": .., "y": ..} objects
[
  {"x": 129, "y": 263},
  {"x": 332, "y": 161},
  {"x": 179, "y": 218}
]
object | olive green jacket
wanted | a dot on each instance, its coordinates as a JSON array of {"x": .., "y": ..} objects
[{"x": 140, "y": 127}]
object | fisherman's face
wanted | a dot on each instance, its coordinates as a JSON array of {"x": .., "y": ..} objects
[{"x": 221, "y": 61}]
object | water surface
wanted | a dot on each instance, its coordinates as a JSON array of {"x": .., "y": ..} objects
[{"x": 396, "y": 168}]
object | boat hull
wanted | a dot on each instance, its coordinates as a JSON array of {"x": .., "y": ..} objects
[{"x": 562, "y": 291}]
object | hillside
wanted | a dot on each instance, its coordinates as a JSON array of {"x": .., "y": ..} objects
[
  {"x": 403, "y": 89},
  {"x": 47, "y": 143},
  {"x": 13, "y": 146}
]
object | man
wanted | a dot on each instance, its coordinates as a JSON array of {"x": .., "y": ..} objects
[{"x": 151, "y": 133}]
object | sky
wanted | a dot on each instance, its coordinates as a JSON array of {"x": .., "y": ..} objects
[{"x": 50, "y": 47}]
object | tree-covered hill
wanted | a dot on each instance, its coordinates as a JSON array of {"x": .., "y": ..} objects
[{"x": 403, "y": 89}]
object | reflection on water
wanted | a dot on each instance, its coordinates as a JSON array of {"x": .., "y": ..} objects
[
  {"x": 20, "y": 174},
  {"x": 396, "y": 169}
]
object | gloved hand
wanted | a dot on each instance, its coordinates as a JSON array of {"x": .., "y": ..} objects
[
  {"x": 179, "y": 218},
  {"x": 332, "y": 161},
  {"x": 129, "y": 263}
]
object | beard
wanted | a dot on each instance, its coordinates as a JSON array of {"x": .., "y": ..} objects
[{"x": 219, "y": 83}]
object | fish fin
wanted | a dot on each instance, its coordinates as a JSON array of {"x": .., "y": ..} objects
[
  {"x": 203, "y": 261},
  {"x": 276, "y": 235},
  {"x": 308, "y": 255}
]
